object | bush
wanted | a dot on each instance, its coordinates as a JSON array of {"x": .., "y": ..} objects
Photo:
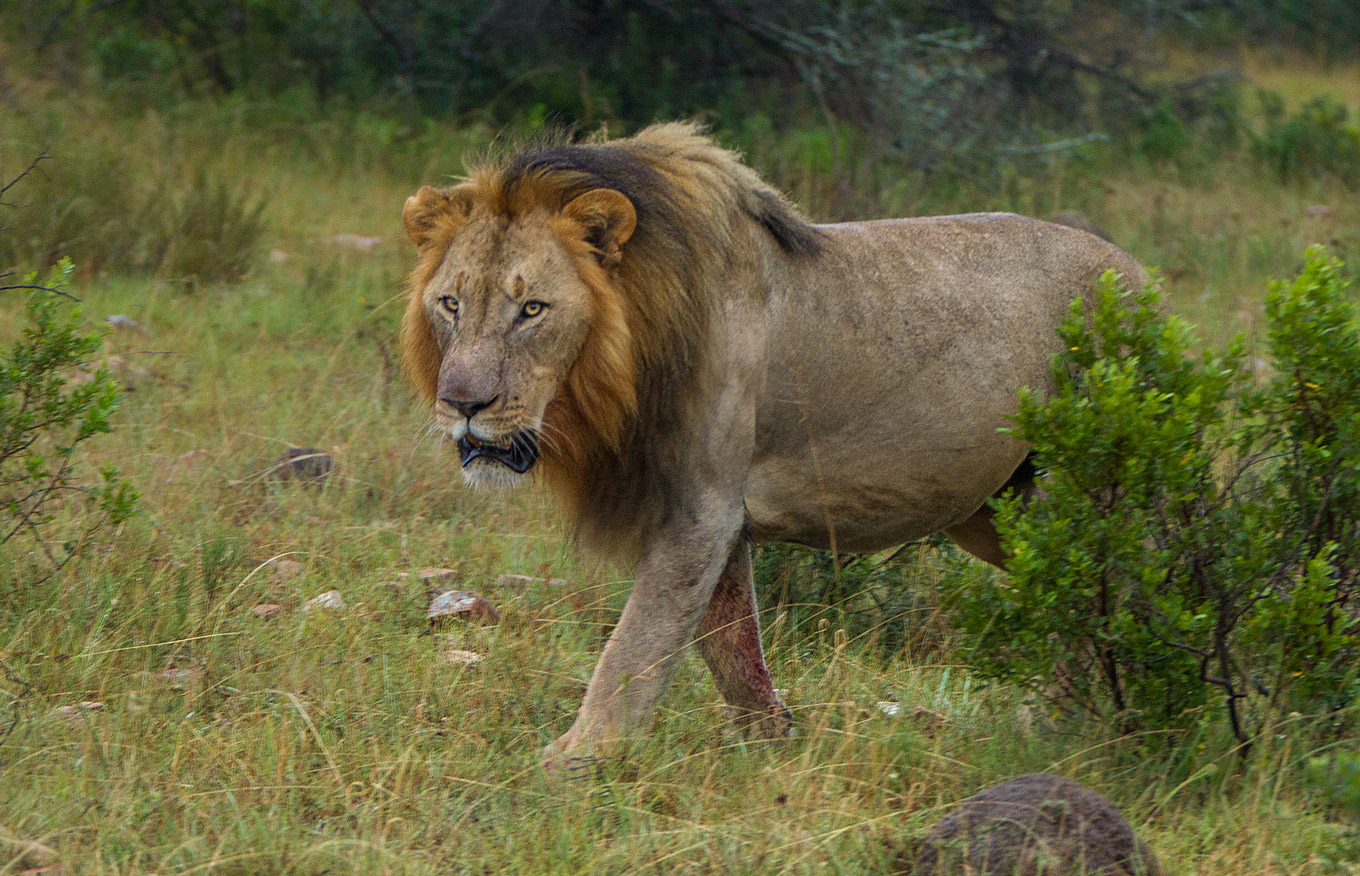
[
  {"x": 45, "y": 418},
  {"x": 1197, "y": 541},
  {"x": 1320, "y": 140}
]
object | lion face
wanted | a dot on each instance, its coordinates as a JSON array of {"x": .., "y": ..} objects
[{"x": 509, "y": 309}]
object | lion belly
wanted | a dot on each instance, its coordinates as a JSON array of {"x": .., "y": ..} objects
[{"x": 894, "y": 361}]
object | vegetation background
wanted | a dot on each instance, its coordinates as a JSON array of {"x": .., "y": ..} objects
[{"x": 226, "y": 178}]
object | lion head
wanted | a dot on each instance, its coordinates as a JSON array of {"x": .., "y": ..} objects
[{"x": 559, "y": 305}]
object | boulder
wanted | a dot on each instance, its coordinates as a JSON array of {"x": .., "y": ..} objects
[{"x": 1035, "y": 825}]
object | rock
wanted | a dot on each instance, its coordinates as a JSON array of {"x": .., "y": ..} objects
[
  {"x": 461, "y": 657},
  {"x": 79, "y": 712},
  {"x": 307, "y": 465},
  {"x": 285, "y": 569},
  {"x": 462, "y": 604},
  {"x": 1035, "y": 825},
  {"x": 525, "y": 580},
  {"x": 1073, "y": 219},
  {"x": 889, "y": 708},
  {"x": 355, "y": 241},
  {"x": 278, "y": 256},
  {"x": 124, "y": 323},
  {"x": 331, "y": 600},
  {"x": 267, "y": 610}
]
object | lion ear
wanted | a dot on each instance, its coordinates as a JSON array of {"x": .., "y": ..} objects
[
  {"x": 423, "y": 212},
  {"x": 609, "y": 220}
]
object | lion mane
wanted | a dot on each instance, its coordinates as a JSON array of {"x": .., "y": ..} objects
[{"x": 605, "y": 448}]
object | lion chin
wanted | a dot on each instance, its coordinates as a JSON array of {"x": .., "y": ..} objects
[
  {"x": 502, "y": 464},
  {"x": 481, "y": 474}
]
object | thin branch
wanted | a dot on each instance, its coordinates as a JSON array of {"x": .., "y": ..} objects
[{"x": 42, "y": 156}]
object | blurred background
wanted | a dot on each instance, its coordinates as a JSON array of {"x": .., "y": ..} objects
[{"x": 865, "y": 108}]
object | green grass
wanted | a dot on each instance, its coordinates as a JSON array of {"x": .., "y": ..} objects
[{"x": 345, "y": 743}]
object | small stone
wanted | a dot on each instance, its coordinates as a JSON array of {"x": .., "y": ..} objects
[
  {"x": 80, "y": 711},
  {"x": 355, "y": 241},
  {"x": 124, "y": 323},
  {"x": 285, "y": 570},
  {"x": 278, "y": 256},
  {"x": 306, "y": 465},
  {"x": 526, "y": 580},
  {"x": 461, "y": 657},
  {"x": 889, "y": 708},
  {"x": 462, "y": 604},
  {"x": 331, "y": 600},
  {"x": 267, "y": 610}
]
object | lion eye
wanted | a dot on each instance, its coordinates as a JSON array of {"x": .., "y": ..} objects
[
  {"x": 449, "y": 303},
  {"x": 533, "y": 308}
]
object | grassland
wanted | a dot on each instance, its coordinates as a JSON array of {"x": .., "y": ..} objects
[{"x": 345, "y": 742}]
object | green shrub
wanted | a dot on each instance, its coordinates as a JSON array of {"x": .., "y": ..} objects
[
  {"x": 45, "y": 417},
  {"x": 1197, "y": 543},
  {"x": 1320, "y": 140}
]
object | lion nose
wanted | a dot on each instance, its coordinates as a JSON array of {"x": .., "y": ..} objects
[{"x": 470, "y": 409}]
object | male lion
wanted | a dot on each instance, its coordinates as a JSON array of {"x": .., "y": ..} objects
[{"x": 694, "y": 367}]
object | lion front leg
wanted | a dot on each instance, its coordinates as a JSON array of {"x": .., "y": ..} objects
[
  {"x": 729, "y": 640},
  {"x": 674, "y": 584}
]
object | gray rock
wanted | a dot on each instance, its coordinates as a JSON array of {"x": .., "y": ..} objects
[
  {"x": 1035, "y": 825},
  {"x": 463, "y": 605}
]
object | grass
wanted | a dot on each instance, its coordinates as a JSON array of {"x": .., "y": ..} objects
[{"x": 345, "y": 743}]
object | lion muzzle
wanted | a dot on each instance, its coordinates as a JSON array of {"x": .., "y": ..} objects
[{"x": 518, "y": 453}]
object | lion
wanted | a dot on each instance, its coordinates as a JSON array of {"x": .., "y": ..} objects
[{"x": 694, "y": 367}]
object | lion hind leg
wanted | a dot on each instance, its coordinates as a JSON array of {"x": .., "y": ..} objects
[
  {"x": 978, "y": 534},
  {"x": 729, "y": 641}
]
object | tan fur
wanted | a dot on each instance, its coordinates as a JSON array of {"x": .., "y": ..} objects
[{"x": 709, "y": 370}]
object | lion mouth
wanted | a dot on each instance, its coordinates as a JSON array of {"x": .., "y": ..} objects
[{"x": 518, "y": 452}]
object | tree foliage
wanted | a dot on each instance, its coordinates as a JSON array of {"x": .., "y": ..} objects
[{"x": 943, "y": 85}]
